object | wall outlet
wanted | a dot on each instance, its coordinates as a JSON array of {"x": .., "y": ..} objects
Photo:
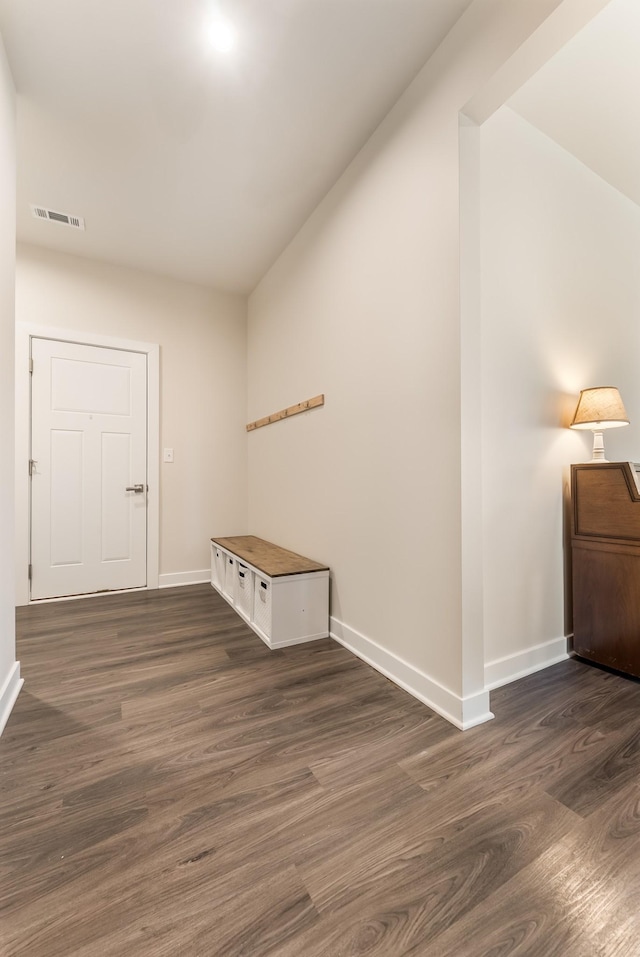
[{"x": 167, "y": 455}]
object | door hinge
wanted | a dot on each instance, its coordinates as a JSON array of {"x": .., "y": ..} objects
[
  {"x": 32, "y": 466},
  {"x": 30, "y": 571},
  {"x": 30, "y": 366}
]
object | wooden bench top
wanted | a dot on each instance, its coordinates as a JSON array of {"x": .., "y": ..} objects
[{"x": 271, "y": 560}]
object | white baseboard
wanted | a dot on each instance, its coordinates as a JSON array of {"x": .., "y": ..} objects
[
  {"x": 9, "y": 693},
  {"x": 464, "y": 713},
  {"x": 171, "y": 579},
  {"x": 504, "y": 670}
]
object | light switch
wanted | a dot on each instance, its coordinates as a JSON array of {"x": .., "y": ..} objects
[{"x": 168, "y": 455}]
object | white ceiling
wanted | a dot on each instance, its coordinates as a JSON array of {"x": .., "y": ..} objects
[
  {"x": 587, "y": 97},
  {"x": 191, "y": 163}
]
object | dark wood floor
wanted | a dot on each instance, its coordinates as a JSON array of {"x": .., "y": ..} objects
[{"x": 171, "y": 788}]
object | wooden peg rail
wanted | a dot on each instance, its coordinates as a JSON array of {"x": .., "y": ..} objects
[{"x": 287, "y": 413}]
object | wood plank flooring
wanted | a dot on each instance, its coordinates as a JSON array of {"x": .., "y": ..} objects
[{"x": 169, "y": 786}]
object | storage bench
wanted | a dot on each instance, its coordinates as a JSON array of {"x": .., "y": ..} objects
[{"x": 283, "y": 596}]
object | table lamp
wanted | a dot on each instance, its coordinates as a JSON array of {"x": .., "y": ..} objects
[{"x": 598, "y": 409}]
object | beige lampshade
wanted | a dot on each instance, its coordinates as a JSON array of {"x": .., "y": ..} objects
[{"x": 600, "y": 408}]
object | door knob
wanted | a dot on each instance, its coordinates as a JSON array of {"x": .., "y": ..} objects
[{"x": 138, "y": 489}]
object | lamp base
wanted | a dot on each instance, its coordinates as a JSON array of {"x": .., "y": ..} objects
[{"x": 598, "y": 448}]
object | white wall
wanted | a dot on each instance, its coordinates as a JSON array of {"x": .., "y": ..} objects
[
  {"x": 9, "y": 668},
  {"x": 560, "y": 307},
  {"x": 202, "y": 338},
  {"x": 364, "y": 306}
]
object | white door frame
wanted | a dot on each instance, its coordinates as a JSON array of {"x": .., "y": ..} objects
[{"x": 24, "y": 333}]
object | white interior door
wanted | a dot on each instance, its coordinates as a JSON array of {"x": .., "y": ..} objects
[{"x": 89, "y": 469}]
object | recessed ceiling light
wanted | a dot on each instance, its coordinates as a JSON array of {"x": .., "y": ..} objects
[{"x": 221, "y": 35}]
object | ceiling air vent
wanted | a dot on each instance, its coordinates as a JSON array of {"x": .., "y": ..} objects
[{"x": 41, "y": 212}]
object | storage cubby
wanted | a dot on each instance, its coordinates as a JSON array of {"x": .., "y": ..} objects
[
  {"x": 217, "y": 567},
  {"x": 229, "y": 586},
  {"x": 244, "y": 589},
  {"x": 262, "y": 605}
]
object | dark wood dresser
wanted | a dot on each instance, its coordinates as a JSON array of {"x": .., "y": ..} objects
[{"x": 605, "y": 544}]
